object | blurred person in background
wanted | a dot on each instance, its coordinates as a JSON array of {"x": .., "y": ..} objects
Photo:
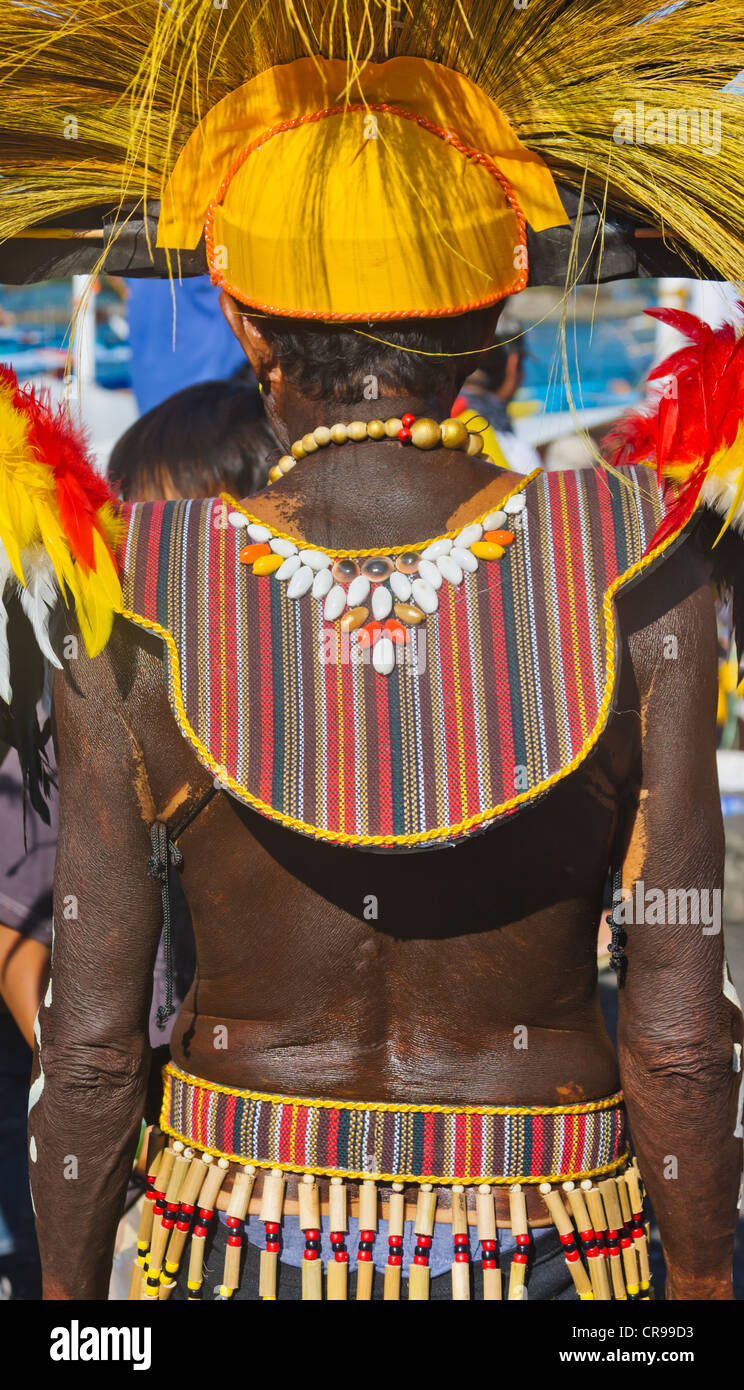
[
  {"x": 488, "y": 391},
  {"x": 178, "y": 338}
]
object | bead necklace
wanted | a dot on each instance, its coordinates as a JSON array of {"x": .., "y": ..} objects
[
  {"x": 381, "y": 598},
  {"x": 421, "y": 431}
]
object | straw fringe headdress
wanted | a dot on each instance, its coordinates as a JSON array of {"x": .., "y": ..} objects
[{"x": 99, "y": 97}]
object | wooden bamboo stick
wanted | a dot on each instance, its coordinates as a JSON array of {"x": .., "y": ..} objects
[
  {"x": 631, "y": 1180},
  {"x": 163, "y": 1227},
  {"x": 487, "y": 1236},
  {"x": 564, "y": 1226},
  {"x": 610, "y": 1245},
  {"x": 272, "y": 1200},
  {"x": 312, "y": 1266},
  {"x": 613, "y": 1200},
  {"x": 461, "y": 1264},
  {"x": 236, "y": 1213},
  {"x": 195, "y": 1176},
  {"x": 597, "y": 1265},
  {"x": 144, "y": 1232},
  {"x": 520, "y": 1231},
  {"x": 395, "y": 1216},
  {"x": 207, "y": 1197},
  {"x": 367, "y": 1231},
  {"x": 419, "y": 1273},
  {"x": 337, "y": 1273}
]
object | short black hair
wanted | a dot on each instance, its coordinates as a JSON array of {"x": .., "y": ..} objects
[
  {"x": 207, "y": 437},
  {"x": 328, "y": 361}
]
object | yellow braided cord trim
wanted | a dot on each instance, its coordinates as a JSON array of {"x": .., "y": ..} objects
[
  {"x": 353, "y": 1175},
  {"x": 339, "y": 837},
  {"x": 380, "y": 550},
  {"x": 585, "y": 1108}
]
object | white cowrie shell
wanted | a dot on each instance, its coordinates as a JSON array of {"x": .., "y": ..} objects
[
  {"x": 383, "y": 656},
  {"x": 289, "y": 567},
  {"x": 282, "y": 547},
  {"x": 468, "y": 536},
  {"x": 357, "y": 591},
  {"x": 315, "y": 559},
  {"x": 437, "y": 548},
  {"x": 335, "y": 603},
  {"x": 515, "y": 505},
  {"x": 300, "y": 582},
  {"x": 464, "y": 558},
  {"x": 495, "y": 521},
  {"x": 401, "y": 586},
  {"x": 428, "y": 571},
  {"x": 425, "y": 596},
  {"x": 237, "y": 520},
  {"x": 450, "y": 569},
  {"x": 322, "y": 583},
  {"x": 258, "y": 533},
  {"x": 382, "y": 602}
]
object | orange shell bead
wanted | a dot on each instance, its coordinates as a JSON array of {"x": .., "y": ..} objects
[
  {"x": 250, "y": 553},
  {"x": 499, "y": 537}
]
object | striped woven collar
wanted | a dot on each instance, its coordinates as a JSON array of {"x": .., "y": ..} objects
[{"x": 505, "y": 689}]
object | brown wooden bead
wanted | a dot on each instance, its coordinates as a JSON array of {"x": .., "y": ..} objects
[
  {"x": 376, "y": 429},
  {"x": 454, "y": 434},
  {"x": 344, "y": 571},
  {"x": 353, "y": 619},
  {"x": 408, "y": 562},
  {"x": 409, "y": 613},
  {"x": 425, "y": 433},
  {"x": 377, "y": 568}
]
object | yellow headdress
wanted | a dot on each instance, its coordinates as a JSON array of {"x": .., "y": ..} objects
[{"x": 352, "y": 209}]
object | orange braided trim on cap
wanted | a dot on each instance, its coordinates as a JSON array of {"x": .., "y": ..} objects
[{"x": 368, "y": 315}]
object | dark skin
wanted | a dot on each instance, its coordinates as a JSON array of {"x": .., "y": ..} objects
[{"x": 470, "y": 943}]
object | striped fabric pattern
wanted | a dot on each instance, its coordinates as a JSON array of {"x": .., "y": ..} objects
[
  {"x": 508, "y": 692},
  {"x": 498, "y": 1144}
]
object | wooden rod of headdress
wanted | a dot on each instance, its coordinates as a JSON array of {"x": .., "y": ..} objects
[
  {"x": 272, "y": 1200},
  {"x": 564, "y": 1226},
  {"x": 237, "y": 1211},
  {"x": 395, "y": 1216},
  {"x": 192, "y": 1186},
  {"x": 596, "y": 1265},
  {"x": 163, "y": 1227},
  {"x": 144, "y": 1232},
  {"x": 205, "y": 1214},
  {"x": 367, "y": 1232},
  {"x": 520, "y": 1231},
  {"x": 489, "y": 1243},
  {"x": 337, "y": 1273},
  {"x": 308, "y": 1198},
  {"x": 461, "y": 1264},
  {"x": 419, "y": 1273},
  {"x": 631, "y": 1178},
  {"x": 610, "y": 1247},
  {"x": 619, "y": 1233}
]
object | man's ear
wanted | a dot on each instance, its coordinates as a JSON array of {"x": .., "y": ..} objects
[{"x": 249, "y": 335}]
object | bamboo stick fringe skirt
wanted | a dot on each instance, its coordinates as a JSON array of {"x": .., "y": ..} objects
[{"x": 575, "y": 1156}]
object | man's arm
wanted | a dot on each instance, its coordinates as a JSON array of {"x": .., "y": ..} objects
[
  {"x": 677, "y": 1029},
  {"x": 92, "y": 1056}
]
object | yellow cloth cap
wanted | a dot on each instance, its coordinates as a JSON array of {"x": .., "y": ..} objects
[{"x": 316, "y": 203}]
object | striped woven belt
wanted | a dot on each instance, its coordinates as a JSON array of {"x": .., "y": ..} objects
[{"x": 397, "y": 1143}]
